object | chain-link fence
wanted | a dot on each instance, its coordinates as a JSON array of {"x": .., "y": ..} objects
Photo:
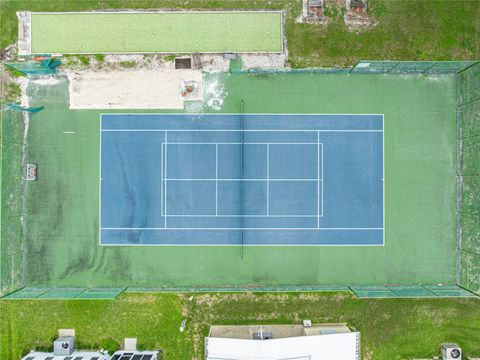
[{"x": 468, "y": 177}]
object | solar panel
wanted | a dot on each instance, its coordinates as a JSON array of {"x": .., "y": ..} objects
[
  {"x": 93, "y": 358},
  {"x": 147, "y": 357},
  {"x": 126, "y": 357},
  {"x": 116, "y": 356},
  {"x": 49, "y": 358},
  {"x": 137, "y": 357},
  {"x": 76, "y": 358},
  {"x": 68, "y": 358},
  {"x": 30, "y": 358}
]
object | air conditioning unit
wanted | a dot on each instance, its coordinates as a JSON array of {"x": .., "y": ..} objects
[
  {"x": 307, "y": 323},
  {"x": 451, "y": 352},
  {"x": 64, "y": 346}
]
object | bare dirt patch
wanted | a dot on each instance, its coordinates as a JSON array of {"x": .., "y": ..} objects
[{"x": 131, "y": 89}]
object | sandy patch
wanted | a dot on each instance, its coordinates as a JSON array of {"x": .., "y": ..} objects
[{"x": 132, "y": 89}]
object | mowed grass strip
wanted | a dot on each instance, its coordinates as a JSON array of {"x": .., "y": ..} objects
[
  {"x": 187, "y": 31},
  {"x": 390, "y": 328},
  {"x": 406, "y": 30}
]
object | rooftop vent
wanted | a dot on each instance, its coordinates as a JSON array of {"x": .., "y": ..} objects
[{"x": 262, "y": 336}]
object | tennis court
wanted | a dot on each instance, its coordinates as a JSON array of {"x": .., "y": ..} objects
[
  {"x": 235, "y": 179},
  {"x": 62, "y": 247}
]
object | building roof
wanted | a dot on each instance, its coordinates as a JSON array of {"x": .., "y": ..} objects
[
  {"x": 134, "y": 355},
  {"x": 93, "y": 355},
  {"x": 276, "y": 331},
  {"x": 317, "y": 347},
  {"x": 76, "y": 355}
]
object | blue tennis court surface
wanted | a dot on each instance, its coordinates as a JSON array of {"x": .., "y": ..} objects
[{"x": 232, "y": 179}]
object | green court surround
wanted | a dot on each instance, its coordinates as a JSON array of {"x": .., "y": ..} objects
[{"x": 61, "y": 238}]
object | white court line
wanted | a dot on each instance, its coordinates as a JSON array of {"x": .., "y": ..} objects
[
  {"x": 166, "y": 176},
  {"x": 383, "y": 180},
  {"x": 216, "y": 179},
  {"x": 100, "y": 182},
  {"x": 237, "y": 143},
  {"x": 232, "y": 130},
  {"x": 238, "y": 114},
  {"x": 161, "y": 180},
  {"x": 221, "y": 179},
  {"x": 285, "y": 216},
  {"x": 253, "y": 229},
  {"x": 322, "y": 180},
  {"x": 268, "y": 179},
  {"x": 69, "y": 132},
  {"x": 318, "y": 180}
]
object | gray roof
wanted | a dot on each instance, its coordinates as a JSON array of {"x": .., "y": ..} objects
[
  {"x": 76, "y": 355},
  {"x": 135, "y": 355}
]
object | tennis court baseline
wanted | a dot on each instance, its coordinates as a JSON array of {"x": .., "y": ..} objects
[{"x": 234, "y": 179}]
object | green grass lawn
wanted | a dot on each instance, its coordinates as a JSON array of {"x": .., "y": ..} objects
[
  {"x": 390, "y": 329},
  {"x": 157, "y": 32},
  {"x": 406, "y": 30}
]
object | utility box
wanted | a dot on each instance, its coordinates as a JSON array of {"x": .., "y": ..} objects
[
  {"x": 64, "y": 346},
  {"x": 451, "y": 352},
  {"x": 130, "y": 344}
]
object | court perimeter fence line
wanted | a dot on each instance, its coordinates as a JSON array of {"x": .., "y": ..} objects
[
  {"x": 468, "y": 176},
  {"x": 368, "y": 67},
  {"x": 364, "y": 291}
]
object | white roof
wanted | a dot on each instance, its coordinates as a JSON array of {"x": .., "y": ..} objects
[{"x": 318, "y": 347}]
